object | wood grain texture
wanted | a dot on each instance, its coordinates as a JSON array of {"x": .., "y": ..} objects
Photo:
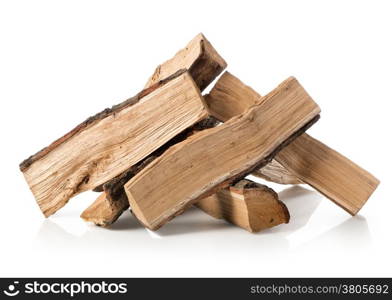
[
  {"x": 109, "y": 143},
  {"x": 246, "y": 204},
  {"x": 199, "y": 57},
  {"x": 230, "y": 97},
  {"x": 275, "y": 172},
  {"x": 332, "y": 174},
  {"x": 307, "y": 159},
  {"x": 213, "y": 158}
]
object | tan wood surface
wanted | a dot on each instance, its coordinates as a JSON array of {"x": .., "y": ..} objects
[{"x": 213, "y": 158}]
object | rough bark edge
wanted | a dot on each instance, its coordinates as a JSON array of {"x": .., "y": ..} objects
[
  {"x": 234, "y": 178},
  {"x": 23, "y": 166}
]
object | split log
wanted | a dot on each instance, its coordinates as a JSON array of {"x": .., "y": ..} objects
[
  {"x": 213, "y": 158},
  {"x": 113, "y": 140},
  {"x": 309, "y": 160},
  {"x": 248, "y": 205},
  {"x": 109, "y": 206},
  {"x": 199, "y": 57}
]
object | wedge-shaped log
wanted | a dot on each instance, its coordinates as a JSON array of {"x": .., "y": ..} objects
[
  {"x": 110, "y": 142},
  {"x": 104, "y": 211},
  {"x": 213, "y": 158},
  {"x": 247, "y": 204},
  {"x": 307, "y": 159},
  {"x": 109, "y": 206},
  {"x": 199, "y": 57}
]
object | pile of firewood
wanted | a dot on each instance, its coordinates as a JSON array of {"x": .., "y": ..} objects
[{"x": 170, "y": 147}]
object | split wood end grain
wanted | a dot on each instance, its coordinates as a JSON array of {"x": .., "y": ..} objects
[
  {"x": 199, "y": 57},
  {"x": 247, "y": 204}
]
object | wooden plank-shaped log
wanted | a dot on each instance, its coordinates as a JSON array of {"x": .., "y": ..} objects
[
  {"x": 199, "y": 57},
  {"x": 110, "y": 142},
  {"x": 329, "y": 172},
  {"x": 246, "y": 204},
  {"x": 213, "y": 158},
  {"x": 309, "y": 160}
]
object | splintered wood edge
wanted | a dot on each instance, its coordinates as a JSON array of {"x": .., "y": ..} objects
[
  {"x": 96, "y": 118},
  {"x": 160, "y": 221},
  {"x": 104, "y": 212}
]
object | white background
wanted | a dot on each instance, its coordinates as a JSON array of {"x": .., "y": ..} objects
[{"x": 62, "y": 61}]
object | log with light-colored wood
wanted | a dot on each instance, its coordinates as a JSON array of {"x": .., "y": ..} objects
[
  {"x": 332, "y": 174},
  {"x": 104, "y": 211},
  {"x": 247, "y": 204},
  {"x": 112, "y": 141},
  {"x": 307, "y": 159},
  {"x": 199, "y": 57},
  {"x": 213, "y": 158}
]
